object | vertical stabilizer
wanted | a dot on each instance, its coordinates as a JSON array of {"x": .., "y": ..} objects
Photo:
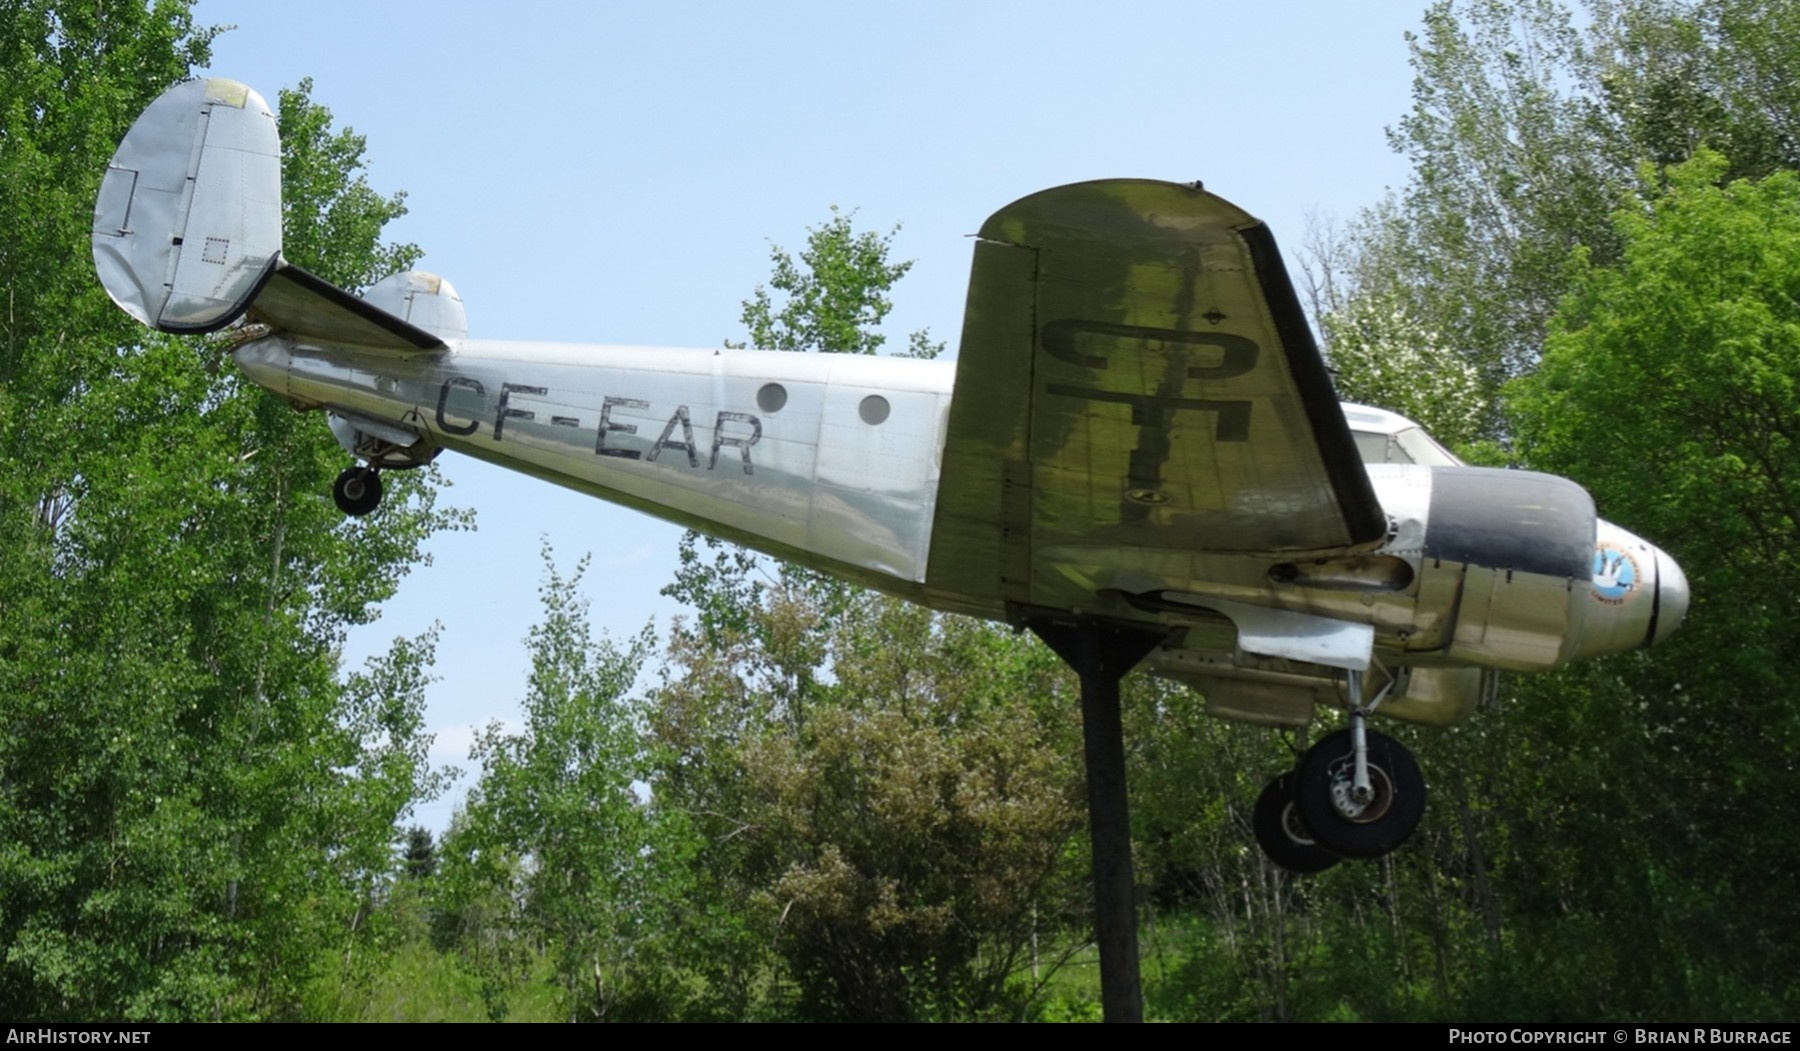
[{"x": 188, "y": 221}]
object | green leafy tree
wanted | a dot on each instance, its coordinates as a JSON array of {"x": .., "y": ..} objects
[
  {"x": 420, "y": 853},
  {"x": 197, "y": 811},
  {"x": 1514, "y": 164},
  {"x": 1525, "y": 131},
  {"x": 595, "y": 873},
  {"x": 1669, "y": 388},
  {"x": 1565, "y": 875},
  {"x": 1382, "y": 357},
  {"x": 834, "y": 298},
  {"x": 1682, "y": 77},
  {"x": 1667, "y": 413},
  {"x": 831, "y": 300},
  {"x": 327, "y": 201},
  {"x": 1554, "y": 885},
  {"x": 884, "y": 796},
  {"x": 903, "y": 844}
]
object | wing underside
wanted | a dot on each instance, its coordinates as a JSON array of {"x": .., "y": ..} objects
[{"x": 1137, "y": 383}]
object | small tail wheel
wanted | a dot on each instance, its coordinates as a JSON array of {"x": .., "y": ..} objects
[
  {"x": 1279, "y": 832},
  {"x": 357, "y": 491},
  {"x": 1325, "y": 798}
]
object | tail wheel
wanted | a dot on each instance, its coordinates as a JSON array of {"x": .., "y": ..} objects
[
  {"x": 1326, "y": 801},
  {"x": 357, "y": 491},
  {"x": 1281, "y": 834}
]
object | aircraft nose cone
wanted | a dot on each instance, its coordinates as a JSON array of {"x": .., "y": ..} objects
[{"x": 1671, "y": 598}]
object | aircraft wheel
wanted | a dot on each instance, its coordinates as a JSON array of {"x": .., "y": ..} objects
[
  {"x": 1281, "y": 835},
  {"x": 357, "y": 491},
  {"x": 1339, "y": 824}
]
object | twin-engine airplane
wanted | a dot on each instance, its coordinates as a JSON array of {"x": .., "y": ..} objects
[{"x": 1138, "y": 454}]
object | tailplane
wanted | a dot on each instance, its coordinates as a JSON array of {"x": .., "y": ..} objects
[{"x": 187, "y": 234}]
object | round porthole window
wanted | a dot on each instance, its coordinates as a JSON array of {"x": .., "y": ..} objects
[
  {"x": 873, "y": 410},
  {"x": 771, "y": 397}
]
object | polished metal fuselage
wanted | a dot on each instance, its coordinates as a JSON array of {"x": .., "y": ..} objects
[
  {"x": 834, "y": 461},
  {"x": 831, "y": 460}
]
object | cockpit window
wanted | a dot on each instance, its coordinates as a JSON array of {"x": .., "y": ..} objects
[
  {"x": 1420, "y": 447},
  {"x": 1412, "y": 445},
  {"x": 1373, "y": 448}
]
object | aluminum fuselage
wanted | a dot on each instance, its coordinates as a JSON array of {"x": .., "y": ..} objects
[{"x": 834, "y": 461}]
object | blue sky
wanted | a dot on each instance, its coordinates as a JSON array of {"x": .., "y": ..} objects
[{"x": 616, "y": 173}]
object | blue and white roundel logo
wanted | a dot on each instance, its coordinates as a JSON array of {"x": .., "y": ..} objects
[{"x": 1615, "y": 574}]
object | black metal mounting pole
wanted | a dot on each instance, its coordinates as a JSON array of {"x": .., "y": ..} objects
[{"x": 1102, "y": 653}]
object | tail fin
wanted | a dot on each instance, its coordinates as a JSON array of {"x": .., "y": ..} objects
[
  {"x": 188, "y": 224},
  {"x": 187, "y": 233}
]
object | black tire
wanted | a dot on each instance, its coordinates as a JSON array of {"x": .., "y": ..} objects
[
  {"x": 1321, "y": 788},
  {"x": 357, "y": 491},
  {"x": 1279, "y": 832}
]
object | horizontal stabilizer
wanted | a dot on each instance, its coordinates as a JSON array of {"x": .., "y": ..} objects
[{"x": 296, "y": 301}]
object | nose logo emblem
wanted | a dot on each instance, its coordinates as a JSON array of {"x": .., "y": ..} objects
[{"x": 1616, "y": 574}]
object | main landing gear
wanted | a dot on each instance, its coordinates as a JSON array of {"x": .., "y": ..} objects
[
  {"x": 357, "y": 491},
  {"x": 1356, "y": 794}
]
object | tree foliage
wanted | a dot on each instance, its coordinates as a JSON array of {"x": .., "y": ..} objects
[
  {"x": 193, "y": 805},
  {"x": 1669, "y": 387},
  {"x": 1525, "y": 131},
  {"x": 1381, "y": 356},
  {"x": 903, "y": 842},
  {"x": 557, "y": 826},
  {"x": 1578, "y": 196},
  {"x": 833, "y": 299},
  {"x": 1680, "y": 78},
  {"x": 883, "y": 795}
]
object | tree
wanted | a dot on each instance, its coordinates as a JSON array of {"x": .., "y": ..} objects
[
  {"x": 1682, "y": 77},
  {"x": 834, "y": 299},
  {"x": 1601, "y": 812},
  {"x": 557, "y": 815},
  {"x": 420, "y": 854},
  {"x": 1514, "y": 164},
  {"x": 195, "y": 806},
  {"x": 902, "y": 845},
  {"x": 1669, "y": 387},
  {"x": 831, "y": 301},
  {"x": 1381, "y": 356},
  {"x": 883, "y": 795},
  {"x": 1524, "y": 133}
]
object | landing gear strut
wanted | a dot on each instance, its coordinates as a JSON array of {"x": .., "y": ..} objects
[
  {"x": 1357, "y": 793},
  {"x": 357, "y": 491}
]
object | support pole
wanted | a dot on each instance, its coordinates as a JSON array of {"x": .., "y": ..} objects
[{"x": 1102, "y": 653}]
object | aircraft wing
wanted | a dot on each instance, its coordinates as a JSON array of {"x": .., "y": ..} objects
[{"x": 1136, "y": 373}]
